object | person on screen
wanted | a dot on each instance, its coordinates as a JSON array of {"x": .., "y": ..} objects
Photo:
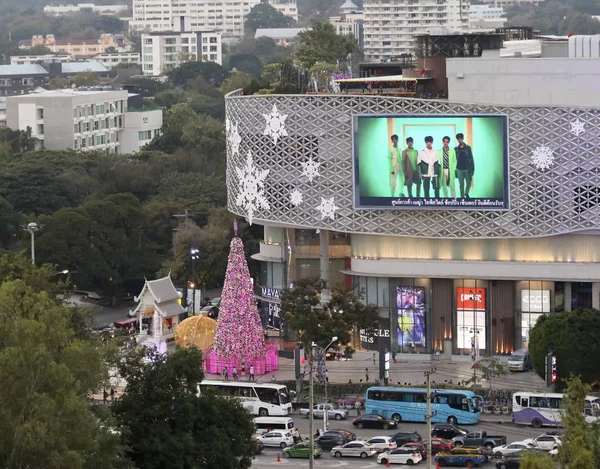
[
  {"x": 410, "y": 169},
  {"x": 429, "y": 168},
  {"x": 448, "y": 168},
  {"x": 465, "y": 166},
  {"x": 394, "y": 159}
]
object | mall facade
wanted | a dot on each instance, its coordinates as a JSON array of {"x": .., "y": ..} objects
[{"x": 440, "y": 276}]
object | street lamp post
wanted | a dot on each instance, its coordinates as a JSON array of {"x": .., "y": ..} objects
[
  {"x": 325, "y": 411},
  {"x": 311, "y": 454},
  {"x": 32, "y": 228}
]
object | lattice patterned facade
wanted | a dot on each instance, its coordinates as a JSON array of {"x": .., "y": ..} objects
[{"x": 561, "y": 199}]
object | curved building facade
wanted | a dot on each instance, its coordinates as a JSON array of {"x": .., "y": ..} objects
[{"x": 443, "y": 269}]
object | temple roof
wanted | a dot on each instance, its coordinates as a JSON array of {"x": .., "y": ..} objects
[{"x": 163, "y": 296}]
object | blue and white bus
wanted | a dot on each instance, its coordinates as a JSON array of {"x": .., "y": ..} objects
[{"x": 410, "y": 405}]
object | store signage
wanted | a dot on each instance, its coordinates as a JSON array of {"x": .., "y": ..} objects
[
  {"x": 470, "y": 299},
  {"x": 535, "y": 301},
  {"x": 272, "y": 293},
  {"x": 145, "y": 120},
  {"x": 368, "y": 337}
]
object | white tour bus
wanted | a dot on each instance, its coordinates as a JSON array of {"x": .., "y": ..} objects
[
  {"x": 544, "y": 409},
  {"x": 258, "y": 398}
]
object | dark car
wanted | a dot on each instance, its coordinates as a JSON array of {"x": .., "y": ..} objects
[
  {"x": 373, "y": 421},
  {"x": 210, "y": 311},
  {"x": 331, "y": 440},
  {"x": 348, "y": 434},
  {"x": 447, "y": 431},
  {"x": 402, "y": 438},
  {"x": 259, "y": 446},
  {"x": 508, "y": 463}
]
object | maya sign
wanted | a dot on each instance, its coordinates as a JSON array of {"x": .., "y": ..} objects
[
  {"x": 535, "y": 301},
  {"x": 470, "y": 298}
]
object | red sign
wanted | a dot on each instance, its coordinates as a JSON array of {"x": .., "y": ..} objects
[{"x": 470, "y": 299}]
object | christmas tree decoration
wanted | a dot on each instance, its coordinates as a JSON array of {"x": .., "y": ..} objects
[
  {"x": 196, "y": 331},
  {"x": 239, "y": 338}
]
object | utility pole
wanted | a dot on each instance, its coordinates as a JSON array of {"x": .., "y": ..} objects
[
  {"x": 429, "y": 416},
  {"x": 311, "y": 433},
  {"x": 32, "y": 228}
]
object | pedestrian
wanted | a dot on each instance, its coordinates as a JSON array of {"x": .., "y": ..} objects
[
  {"x": 226, "y": 372},
  {"x": 326, "y": 376},
  {"x": 273, "y": 379},
  {"x": 357, "y": 407},
  {"x": 366, "y": 375},
  {"x": 251, "y": 377},
  {"x": 112, "y": 395},
  {"x": 394, "y": 357},
  {"x": 349, "y": 381},
  {"x": 234, "y": 373},
  {"x": 373, "y": 359},
  {"x": 105, "y": 396},
  {"x": 296, "y": 435}
]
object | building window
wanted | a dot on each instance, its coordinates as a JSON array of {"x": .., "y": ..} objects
[
  {"x": 75, "y": 144},
  {"x": 145, "y": 135},
  {"x": 148, "y": 40},
  {"x": 204, "y": 40},
  {"x": 213, "y": 40},
  {"x": 147, "y": 58},
  {"x": 76, "y": 128},
  {"x": 40, "y": 113},
  {"x": 170, "y": 40},
  {"x": 96, "y": 126},
  {"x": 213, "y": 48},
  {"x": 147, "y": 50},
  {"x": 5, "y": 82}
]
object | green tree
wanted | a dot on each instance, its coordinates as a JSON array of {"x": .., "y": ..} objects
[
  {"x": 212, "y": 72},
  {"x": 36, "y": 50},
  {"x": 237, "y": 80},
  {"x": 16, "y": 141},
  {"x": 488, "y": 368},
  {"x": 246, "y": 62},
  {"x": 322, "y": 44},
  {"x": 570, "y": 336},
  {"x": 579, "y": 23},
  {"x": 147, "y": 87},
  {"x": 164, "y": 423},
  {"x": 264, "y": 15},
  {"x": 535, "y": 460}
]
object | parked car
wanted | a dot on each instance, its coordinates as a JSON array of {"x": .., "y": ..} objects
[
  {"x": 302, "y": 450},
  {"x": 519, "y": 360},
  {"x": 331, "y": 440},
  {"x": 400, "y": 456},
  {"x": 319, "y": 412},
  {"x": 383, "y": 443},
  {"x": 461, "y": 457},
  {"x": 545, "y": 442},
  {"x": 406, "y": 437},
  {"x": 277, "y": 438},
  {"x": 373, "y": 421},
  {"x": 447, "y": 431},
  {"x": 357, "y": 449},
  {"x": 478, "y": 438},
  {"x": 419, "y": 446},
  {"x": 512, "y": 448},
  {"x": 508, "y": 463},
  {"x": 259, "y": 446},
  {"x": 439, "y": 444}
]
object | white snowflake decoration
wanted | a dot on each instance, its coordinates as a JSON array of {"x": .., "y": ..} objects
[
  {"x": 310, "y": 169},
  {"x": 327, "y": 208},
  {"x": 234, "y": 139},
  {"x": 577, "y": 127},
  {"x": 296, "y": 197},
  {"x": 252, "y": 188},
  {"x": 227, "y": 126},
  {"x": 275, "y": 126},
  {"x": 542, "y": 157}
]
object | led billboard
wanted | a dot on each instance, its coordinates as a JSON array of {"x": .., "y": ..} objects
[
  {"x": 431, "y": 162},
  {"x": 410, "y": 302}
]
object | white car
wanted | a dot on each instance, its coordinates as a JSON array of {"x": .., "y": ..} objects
[
  {"x": 545, "y": 442},
  {"x": 357, "y": 449},
  {"x": 400, "y": 456},
  {"x": 277, "y": 438},
  {"x": 516, "y": 447},
  {"x": 554, "y": 452},
  {"x": 383, "y": 443}
]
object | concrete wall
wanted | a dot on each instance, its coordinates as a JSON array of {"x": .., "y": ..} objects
[
  {"x": 136, "y": 122},
  {"x": 524, "y": 82}
]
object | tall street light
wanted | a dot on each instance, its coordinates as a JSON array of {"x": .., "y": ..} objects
[
  {"x": 32, "y": 228},
  {"x": 311, "y": 404},
  {"x": 326, "y": 411}
]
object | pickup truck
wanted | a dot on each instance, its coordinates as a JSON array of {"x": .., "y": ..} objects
[
  {"x": 479, "y": 439},
  {"x": 319, "y": 412}
]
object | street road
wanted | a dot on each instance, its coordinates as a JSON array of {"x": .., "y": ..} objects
[{"x": 268, "y": 458}]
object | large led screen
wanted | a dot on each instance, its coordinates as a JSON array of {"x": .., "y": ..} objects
[
  {"x": 410, "y": 302},
  {"x": 431, "y": 162}
]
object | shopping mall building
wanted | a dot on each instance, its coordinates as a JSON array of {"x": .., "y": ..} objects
[{"x": 313, "y": 170}]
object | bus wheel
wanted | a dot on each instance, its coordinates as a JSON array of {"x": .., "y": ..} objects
[
  {"x": 536, "y": 423},
  {"x": 396, "y": 417},
  {"x": 452, "y": 419},
  {"x": 263, "y": 412}
]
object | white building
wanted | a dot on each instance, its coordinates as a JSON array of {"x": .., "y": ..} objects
[
  {"x": 112, "y": 59},
  {"x": 350, "y": 21},
  {"x": 282, "y": 36},
  {"x": 225, "y": 17},
  {"x": 34, "y": 59},
  {"x": 480, "y": 12},
  {"x": 62, "y": 10},
  {"x": 162, "y": 51},
  {"x": 390, "y": 25},
  {"x": 140, "y": 128}
]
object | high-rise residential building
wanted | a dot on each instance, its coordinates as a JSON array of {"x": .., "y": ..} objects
[
  {"x": 390, "y": 25},
  {"x": 224, "y": 16}
]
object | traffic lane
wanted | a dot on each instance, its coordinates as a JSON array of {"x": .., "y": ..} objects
[{"x": 512, "y": 432}]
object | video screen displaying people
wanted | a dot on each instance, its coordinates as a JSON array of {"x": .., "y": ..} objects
[
  {"x": 411, "y": 317},
  {"x": 444, "y": 162}
]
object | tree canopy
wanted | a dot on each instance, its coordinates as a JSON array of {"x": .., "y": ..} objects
[
  {"x": 264, "y": 15},
  {"x": 323, "y": 44},
  {"x": 183, "y": 75},
  {"x": 570, "y": 336}
]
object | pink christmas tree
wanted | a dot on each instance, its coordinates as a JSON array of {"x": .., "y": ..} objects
[{"x": 239, "y": 339}]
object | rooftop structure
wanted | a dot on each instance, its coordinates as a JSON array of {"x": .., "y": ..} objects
[
  {"x": 68, "y": 9},
  {"x": 282, "y": 36}
]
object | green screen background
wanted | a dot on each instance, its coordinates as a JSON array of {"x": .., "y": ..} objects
[{"x": 487, "y": 144}]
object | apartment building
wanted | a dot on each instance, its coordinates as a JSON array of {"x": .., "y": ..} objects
[
  {"x": 390, "y": 25},
  {"x": 80, "y": 47},
  {"x": 162, "y": 51},
  {"x": 63, "y": 10},
  {"x": 481, "y": 12},
  {"x": 350, "y": 21}
]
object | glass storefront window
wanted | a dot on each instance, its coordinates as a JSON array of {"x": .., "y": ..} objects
[
  {"x": 471, "y": 305},
  {"x": 581, "y": 295},
  {"x": 534, "y": 299}
]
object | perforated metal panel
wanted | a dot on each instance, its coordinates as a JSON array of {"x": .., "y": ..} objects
[{"x": 562, "y": 199}]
